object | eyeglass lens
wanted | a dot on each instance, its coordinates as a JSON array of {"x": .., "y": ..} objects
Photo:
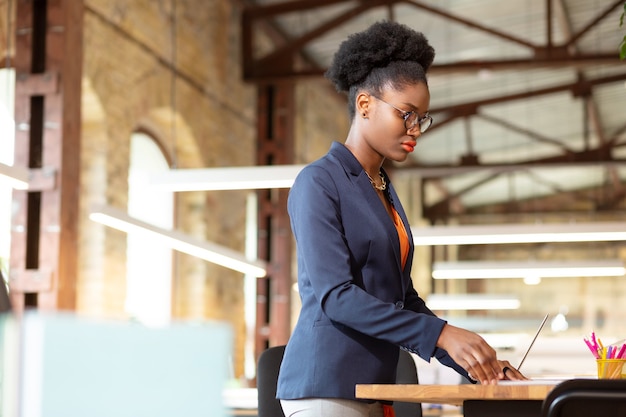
[{"x": 413, "y": 120}]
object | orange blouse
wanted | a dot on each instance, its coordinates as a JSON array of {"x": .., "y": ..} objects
[{"x": 402, "y": 235}]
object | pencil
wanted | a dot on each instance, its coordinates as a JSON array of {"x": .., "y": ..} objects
[{"x": 620, "y": 355}]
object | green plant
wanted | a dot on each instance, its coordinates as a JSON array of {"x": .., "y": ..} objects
[{"x": 622, "y": 46}]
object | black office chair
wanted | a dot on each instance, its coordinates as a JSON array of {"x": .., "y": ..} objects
[
  {"x": 266, "y": 380},
  {"x": 5, "y": 302},
  {"x": 407, "y": 374},
  {"x": 267, "y": 377},
  {"x": 586, "y": 398}
]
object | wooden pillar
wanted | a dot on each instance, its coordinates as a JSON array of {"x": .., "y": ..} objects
[
  {"x": 48, "y": 66},
  {"x": 275, "y": 147}
]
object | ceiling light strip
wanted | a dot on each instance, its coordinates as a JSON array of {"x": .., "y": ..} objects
[
  {"x": 542, "y": 269},
  {"x": 519, "y": 233},
  {"x": 472, "y": 302},
  {"x": 228, "y": 178},
  {"x": 181, "y": 242},
  {"x": 17, "y": 177}
]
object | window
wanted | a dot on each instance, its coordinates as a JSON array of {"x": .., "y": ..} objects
[
  {"x": 149, "y": 265},
  {"x": 7, "y": 135}
]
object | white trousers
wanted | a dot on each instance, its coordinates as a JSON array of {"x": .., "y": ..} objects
[{"x": 330, "y": 407}]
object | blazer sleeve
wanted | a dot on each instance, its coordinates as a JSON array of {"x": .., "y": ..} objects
[{"x": 416, "y": 303}]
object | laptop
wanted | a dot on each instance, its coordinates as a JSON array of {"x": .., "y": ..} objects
[{"x": 533, "y": 341}]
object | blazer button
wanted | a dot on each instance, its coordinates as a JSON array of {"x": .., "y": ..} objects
[{"x": 399, "y": 305}]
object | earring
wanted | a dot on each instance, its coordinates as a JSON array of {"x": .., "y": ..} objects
[{"x": 365, "y": 115}]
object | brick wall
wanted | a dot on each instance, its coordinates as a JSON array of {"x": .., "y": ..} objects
[{"x": 140, "y": 75}]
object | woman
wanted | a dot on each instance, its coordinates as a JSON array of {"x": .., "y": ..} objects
[{"x": 354, "y": 247}]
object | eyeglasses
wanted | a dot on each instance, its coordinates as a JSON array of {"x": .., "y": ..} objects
[{"x": 412, "y": 119}]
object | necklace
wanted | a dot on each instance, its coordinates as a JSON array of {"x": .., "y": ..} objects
[{"x": 382, "y": 186}]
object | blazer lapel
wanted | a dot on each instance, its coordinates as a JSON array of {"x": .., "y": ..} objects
[{"x": 379, "y": 213}]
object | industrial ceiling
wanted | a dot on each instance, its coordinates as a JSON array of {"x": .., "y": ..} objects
[{"x": 528, "y": 96}]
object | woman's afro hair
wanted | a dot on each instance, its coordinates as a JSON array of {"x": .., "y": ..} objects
[{"x": 376, "y": 47}]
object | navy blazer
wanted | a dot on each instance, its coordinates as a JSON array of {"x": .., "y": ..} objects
[{"x": 358, "y": 303}]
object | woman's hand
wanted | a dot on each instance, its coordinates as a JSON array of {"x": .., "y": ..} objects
[
  {"x": 510, "y": 373},
  {"x": 471, "y": 352}
]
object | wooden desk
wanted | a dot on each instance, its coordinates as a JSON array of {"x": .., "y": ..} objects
[
  {"x": 519, "y": 399},
  {"x": 453, "y": 394}
]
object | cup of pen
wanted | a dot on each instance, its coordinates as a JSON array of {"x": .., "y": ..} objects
[{"x": 611, "y": 368}]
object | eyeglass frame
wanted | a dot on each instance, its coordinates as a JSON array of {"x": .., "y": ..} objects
[{"x": 406, "y": 114}]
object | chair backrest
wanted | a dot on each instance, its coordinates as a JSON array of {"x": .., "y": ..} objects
[
  {"x": 407, "y": 374},
  {"x": 5, "y": 302},
  {"x": 267, "y": 377},
  {"x": 585, "y": 398},
  {"x": 268, "y": 366}
]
